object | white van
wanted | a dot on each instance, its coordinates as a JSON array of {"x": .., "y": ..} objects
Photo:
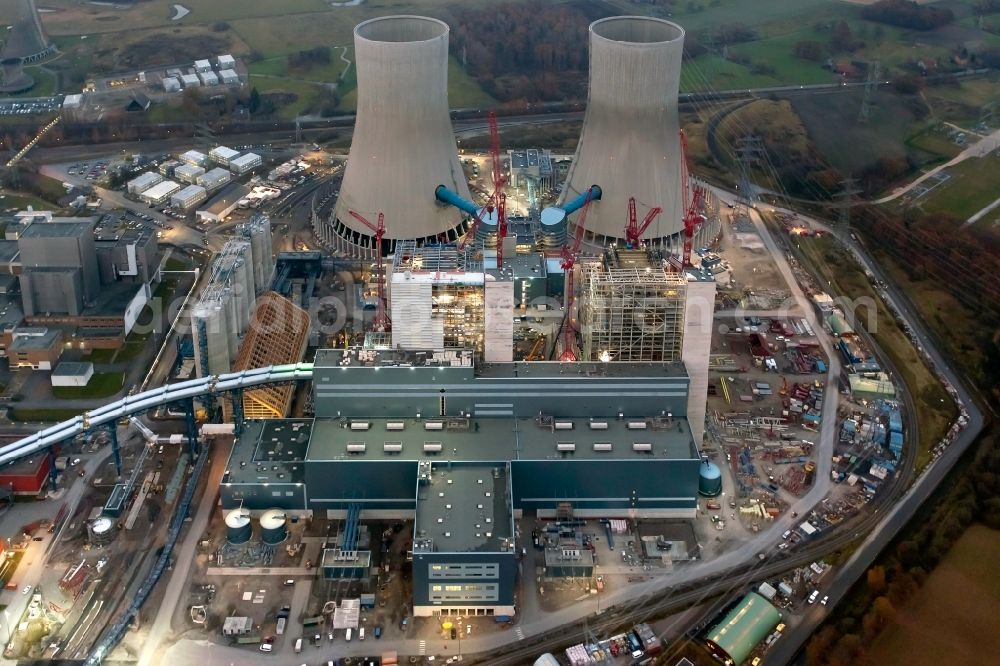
[
  {"x": 298, "y": 645},
  {"x": 361, "y": 634},
  {"x": 348, "y": 636}
]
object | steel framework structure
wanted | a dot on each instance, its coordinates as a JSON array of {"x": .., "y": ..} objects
[{"x": 633, "y": 314}]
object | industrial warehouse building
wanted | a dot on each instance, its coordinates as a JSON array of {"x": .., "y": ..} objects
[
  {"x": 223, "y": 155},
  {"x": 188, "y": 173},
  {"x": 746, "y": 625},
  {"x": 214, "y": 179},
  {"x": 144, "y": 182},
  {"x": 194, "y": 158},
  {"x": 464, "y": 449}
]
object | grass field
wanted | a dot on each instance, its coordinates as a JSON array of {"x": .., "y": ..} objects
[
  {"x": 950, "y": 620},
  {"x": 935, "y": 409},
  {"x": 22, "y": 201},
  {"x": 101, "y": 385},
  {"x": 974, "y": 184}
]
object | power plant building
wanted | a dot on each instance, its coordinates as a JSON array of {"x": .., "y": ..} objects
[
  {"x": 403, "y": 145},
  {"x": 222, "y": 315},
  {"x": 59, "y": 267}
]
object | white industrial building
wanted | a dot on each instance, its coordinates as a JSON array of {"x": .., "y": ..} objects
[
  {"x": 73, "y": 101},
  {"x": 142, "y": 183},
  {"x": 229, "y": 77},
  {"x": 194, "y": 157},
  {"x": 159, "y": 193},
  {"x": 226, "y": 61},
  {"x": 190, "y": 80},
  {"x": 215, "y": 178},
  {"x": 202, "y": 66},
  {"x": 188, "y": 173},
  {"x": 223, "y": 155},
  {"x": 208, "y": 78},
  {"x": 72, "y": 374},
  {"x": 170, "y": 84},
  {"x": 190, "y": 196},
  {"x": 245, "y": 163}
]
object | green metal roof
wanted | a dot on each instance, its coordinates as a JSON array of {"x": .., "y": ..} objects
[
  {"x": 839, "y": 325},
  {"x": 745, "y": 626}
]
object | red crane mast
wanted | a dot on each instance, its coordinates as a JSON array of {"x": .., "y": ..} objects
[
  {"x": 382, "y": 322},
  {"x": 569, "y": 253},
  {"x": 693, "y": 197},
  {"x": 634, "y": 230}
]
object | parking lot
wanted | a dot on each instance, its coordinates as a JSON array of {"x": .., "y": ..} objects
[{"x": 10, "y": 107}]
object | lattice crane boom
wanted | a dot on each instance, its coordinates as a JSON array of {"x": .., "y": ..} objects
[
  {"x": 382, "y": 322},
  {"x": 693, "y": 195},
  {"x": 569, "y": 254},
  {"x": 635, "y": 229}
]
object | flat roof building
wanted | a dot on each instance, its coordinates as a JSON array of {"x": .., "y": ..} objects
[
  {"x": 171, "y": 84},
  {"x": 36, "y": 348},
  {"x": 245, "y": 163},
  {"x": 215, "y": 178},
  {"x": 194, "y": 157},
  {"x": 188, "y": 173},
  {"x": 226, "y": 61},
  {"x": 208, "y": 78},
  {"x": 223, "y": 155},
  {"x": 229, "y": 77},
  {"x": 159, "y": 192},
  {"x": 59, "y": 267},
  {"x": 72, "y": 374},
  {"x": 190, "y": 80},
  {"x": 143, "y": 182},
  {"x": 189, "y": 197},
  {"x": 202, "y": 66}
]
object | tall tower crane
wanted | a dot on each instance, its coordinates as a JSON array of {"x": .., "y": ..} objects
[
  {"x": 497, "y": 200},
  {"x": 635, "y": 229},
  {"x": 693, "y": 195},
  {"x": 569, "y": 254},
  {"x": 382, "y": 322}
]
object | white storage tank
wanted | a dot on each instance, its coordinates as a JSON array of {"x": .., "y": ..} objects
[
  {"x": 273, "y": 527},
  {"x": 101, "y": 531},
  {"x": 239, "y": 529}
]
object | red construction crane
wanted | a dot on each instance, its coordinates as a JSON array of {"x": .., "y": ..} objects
[
  {"x": 569, "y": 253},
  {"x": 382, "y": 322},
  {"x": 635, "y": 230},
  {"x": 498, "y": 183},
  {"x": 693, "y": 196}
]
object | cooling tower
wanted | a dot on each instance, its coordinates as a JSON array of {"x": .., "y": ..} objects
[
  {"x": 403, "y": 145},
  {"x": 630, "y": 143}
]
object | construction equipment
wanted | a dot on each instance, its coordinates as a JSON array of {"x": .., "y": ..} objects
[
  {"x": 382, "y": 322},
  {"x": 693, "y": 195},
  {"x": 569, "y": 253},
  {"x": 497, "y": 200},
  {"x": 634, "y": 230}
]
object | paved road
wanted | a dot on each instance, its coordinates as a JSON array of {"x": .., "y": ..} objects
[
  {"x": 184, "y": 558},
  {"x": 987, "y": 144}
]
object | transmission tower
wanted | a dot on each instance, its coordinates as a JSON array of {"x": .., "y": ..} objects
[
  {"x": 871, "y": 87},
  {"x": 749, "y": 150},
  {"x": 845, "y": 201}
]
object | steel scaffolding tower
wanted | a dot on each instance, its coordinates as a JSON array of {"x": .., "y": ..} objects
[{"x": 632, "y": 314}]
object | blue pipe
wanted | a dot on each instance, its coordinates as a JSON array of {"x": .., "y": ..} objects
[
  {"x": 444, "y": 195},
  {"x": 576, "y": 204}
]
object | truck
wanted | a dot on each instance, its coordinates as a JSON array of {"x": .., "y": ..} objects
[{"x": 281, "y": 626}]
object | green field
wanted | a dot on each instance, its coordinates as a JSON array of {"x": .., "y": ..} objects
[
  {"x": 950, "y": 619},
  {"x": 101, "y": 385},
  {"x": 22, "y": 201},
  {"x": 974, "y": 184},
  {"x": 43, "y": 415}
]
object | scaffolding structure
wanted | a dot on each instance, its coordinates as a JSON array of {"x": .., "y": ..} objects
[
  {"x": 633, "y": 313},
  {"x": 278, "y": 335},
  {"x": 437, "y": 294}
]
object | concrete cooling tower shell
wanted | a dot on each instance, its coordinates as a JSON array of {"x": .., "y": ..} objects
[
  {"x": 403, "y": 145},
  {"x": 630, "y": 143}
]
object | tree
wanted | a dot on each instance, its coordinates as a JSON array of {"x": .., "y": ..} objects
[
  {"x": 254, "y": 102},
  {"x": 808, "y": 49},
  {"x": 841, "y": 39},
  {"x": 876, "y": 579},
  {"x": 884, "y": 610}
]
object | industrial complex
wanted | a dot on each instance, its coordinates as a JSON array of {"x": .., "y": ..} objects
[{"x": 430, "y": 418}]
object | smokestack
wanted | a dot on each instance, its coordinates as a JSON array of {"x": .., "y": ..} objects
[
  {"x": 403, "y": 146},
  {"x": 630, "y": 144}
]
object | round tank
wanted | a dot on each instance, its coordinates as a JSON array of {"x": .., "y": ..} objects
[
  {"x": 238, "y": 526},
  {"x": 102, "y": 531},
  {"x": 273, "y": 527},
  {"x": 486, "y": 233},
  {"x": 552, "y": 228},
  {"x": 709, "y": 480}
]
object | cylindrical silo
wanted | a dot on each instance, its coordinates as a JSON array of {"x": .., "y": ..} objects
[
  {"x": 101, "y": 531},
  {"x": 630, "y": 143},
  {"x": 403, "y": 145},
  {"x": 709, "y": 479},
  {"x": 238, "y": 526},
  {"x": 552, "y": 228},
  {"x": 273, "y": 527}
]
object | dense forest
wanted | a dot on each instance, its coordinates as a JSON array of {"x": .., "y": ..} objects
[{"x": 908, "y": 14}]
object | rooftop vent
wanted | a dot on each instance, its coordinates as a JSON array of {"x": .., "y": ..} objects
[
  {"x": 566, "y": 446},
  {"x": 602, "y": 446},
  {"x": 598, "y": 425},
  {"x": 360, "y": 425},
  {"x": 394, "y": 425},
  {"x": 643, "y": 447},
  {"x": 434, "y": 425},
  {"x": 393, "y": 447},
  {"x": 636, "y": 425},
  {"x": 355, "y": 447},
  {"x": 564, "y": 425},
  {"x": 432, "y": 447}
]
